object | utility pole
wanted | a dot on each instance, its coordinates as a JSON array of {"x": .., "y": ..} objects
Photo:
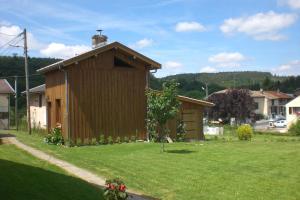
[
  {"x": 206, "y": 90},
  {"x": 27, "y": 82},
  {"x": 16, "y": 102}
]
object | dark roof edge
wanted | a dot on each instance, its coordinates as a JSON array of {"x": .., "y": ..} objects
[{"x": 88, "y": 54}]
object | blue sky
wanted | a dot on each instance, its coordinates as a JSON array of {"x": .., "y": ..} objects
[{"x": 185, "y": 36}]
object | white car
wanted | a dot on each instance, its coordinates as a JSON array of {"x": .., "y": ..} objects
[{"x": 280, "y": 123}]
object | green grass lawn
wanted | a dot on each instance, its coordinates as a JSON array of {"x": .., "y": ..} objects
[
  {"x": 268, "y": 167},
  {"x": 25, "y": 177}
]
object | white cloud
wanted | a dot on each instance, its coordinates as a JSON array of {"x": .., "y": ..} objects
[
  {"x": 291, "y": 68},
  {"x": 10, "y": 31},
  {"x": 189, "y": 26},
  {"x": 142, "y": 43},
  {"x": 173, "y": 65},
  {"x": 261, "y": 26},
  {"x": 208, "y": 69},
  {"x": 59, "y": 50},
  {"x": 227, "y": 59},
  {"x": 294, "y": 4}
]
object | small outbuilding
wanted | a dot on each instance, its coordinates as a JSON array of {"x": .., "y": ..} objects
[
  {"x": 5, "y": 92},
  {"x": 37, "y": 107},
  {"x": 191, "y": 115},
  {"x": 100, "y": 92}
]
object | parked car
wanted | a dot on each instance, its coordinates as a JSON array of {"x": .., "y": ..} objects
[{"x": 280, "y": 123}]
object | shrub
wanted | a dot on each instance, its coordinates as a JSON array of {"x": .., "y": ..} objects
[
  {"x": 110, "y": 140},
  {"x": 86, "y": 141},
  {"x": 295, "y": 128},
  {"x": 94, "y": 141},
  {"x": 180, "y": 132},
  {"x": 55, "y": 137},
  {"x": 102, "y": 139},
  {"x": 133, "y": 138},
  {"x": 126, "y": 139},
  {"x": 78, "y": 142},
  {"x": 118, "y": 140},
  {"x": 115, "y": 190},
  {"x": 245, "y": 132}
]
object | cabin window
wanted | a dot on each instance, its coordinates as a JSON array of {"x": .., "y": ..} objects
[
  {"x": 58, "y": 111},
  {"x": 290, "y": 111},
  {"x": 40, "y": 100},
  {"x": 120, "y": 63},
  {"x": 256, "y": 106}
]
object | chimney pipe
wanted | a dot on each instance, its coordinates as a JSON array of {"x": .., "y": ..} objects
[{"x": 99, "y": 40}]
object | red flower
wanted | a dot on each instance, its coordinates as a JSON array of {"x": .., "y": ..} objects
[
  {"x": 112, "y": 187},
  {"x": 122, "y": 187}
]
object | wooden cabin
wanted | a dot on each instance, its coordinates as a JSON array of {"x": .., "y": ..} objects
[
  {"x": 99, "y": 92},
  {"x": 191, "y": 114}
]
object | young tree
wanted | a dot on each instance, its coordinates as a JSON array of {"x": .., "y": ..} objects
[
  {"x": 233, "y": 103},
  {"x": 162, "y": 106}
]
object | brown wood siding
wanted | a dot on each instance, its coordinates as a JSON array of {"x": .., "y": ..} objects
[
  {"x": 192, "y": 115},
  {"x": 106, "y": 100},
  {"x": 55, "y": 89}
]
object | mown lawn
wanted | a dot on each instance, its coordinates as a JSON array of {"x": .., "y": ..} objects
[
  {"x": 268, "y": 167},
  {"x": 25, "y": 177}
]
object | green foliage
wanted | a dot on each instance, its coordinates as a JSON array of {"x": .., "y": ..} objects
[
  {"x": 162, "y": 106},
  {"x": 78, "y": 142},
  {"x": 133, "y": 138},
  {"x": 110, "y": 140},
  {"x": 55, "y": 137},
  {"x": 86, "y": 141},
  {"x": 126, "y": 139},
  {"x": 180, "y": 131},
  {"x": 94, "y": 141},
  {"x": 102, "y": 139},
  {"x": 118, "y": 140},
  {"x": 295, "y": 129},
  {"x": 115, "y": 190},
  {"x": 245, "y": 132}
]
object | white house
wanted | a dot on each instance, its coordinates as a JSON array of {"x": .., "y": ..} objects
[
  {"x": 292, "y": 111},
  {"x": 5, "y": 91},
  {"x": 38, "y": 107}
]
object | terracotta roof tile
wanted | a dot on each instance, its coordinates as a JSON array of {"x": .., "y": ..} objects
[{"x": 5, "y": 87}]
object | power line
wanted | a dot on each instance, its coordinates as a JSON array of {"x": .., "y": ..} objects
[
  {"x": 10, "y": 41},
  {"x": 23, "y": 76}
]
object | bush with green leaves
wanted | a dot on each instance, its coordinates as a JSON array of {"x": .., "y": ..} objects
[
  {"x": 180, "y": 131},
  {"x": 94, "y": 141},
  {"x": 126, "y": 139},
  {"x": 245, "y": 132},
  {"x": 102, "y": 139},
  {"x": 133, "y": 138},
  {"x": 295, "y": 128},
  {"x": 79, "y": 142},
  {"x": 110, "y": 140},
  {"x": 115, "y": 190},
  {"x": 118, "y": 140},
  {"x": 54, "y": 137}
]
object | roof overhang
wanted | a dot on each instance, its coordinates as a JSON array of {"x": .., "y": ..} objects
[
  {"x": 115, "y": 45},
  {"x": 195, "y": 101}
]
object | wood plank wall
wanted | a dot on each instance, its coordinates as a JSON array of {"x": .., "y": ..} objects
[
  {"x": 107, "y": 100},
  {"x": 192, "y": 114},
  {"x": 55, "y": 89}
]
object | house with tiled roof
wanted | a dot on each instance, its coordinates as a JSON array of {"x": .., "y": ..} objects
[
  {"x": 270, "y": 103},
  {"x": 5, "y": 92}
]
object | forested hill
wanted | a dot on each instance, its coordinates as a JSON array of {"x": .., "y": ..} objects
[
  {"x": 14, "y": 66},
  {"x": 228, "y": 79}
]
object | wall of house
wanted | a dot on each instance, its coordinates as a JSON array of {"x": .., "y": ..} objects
[
  {"x": 292, "y": 109},
  {"x": 55, "y": 92},
  {"x": 262, "y": 106},
  {"x": 38, "y": 112},
  {"x": 108, "y": 100},
  {"x": 4, "y": 108}
]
